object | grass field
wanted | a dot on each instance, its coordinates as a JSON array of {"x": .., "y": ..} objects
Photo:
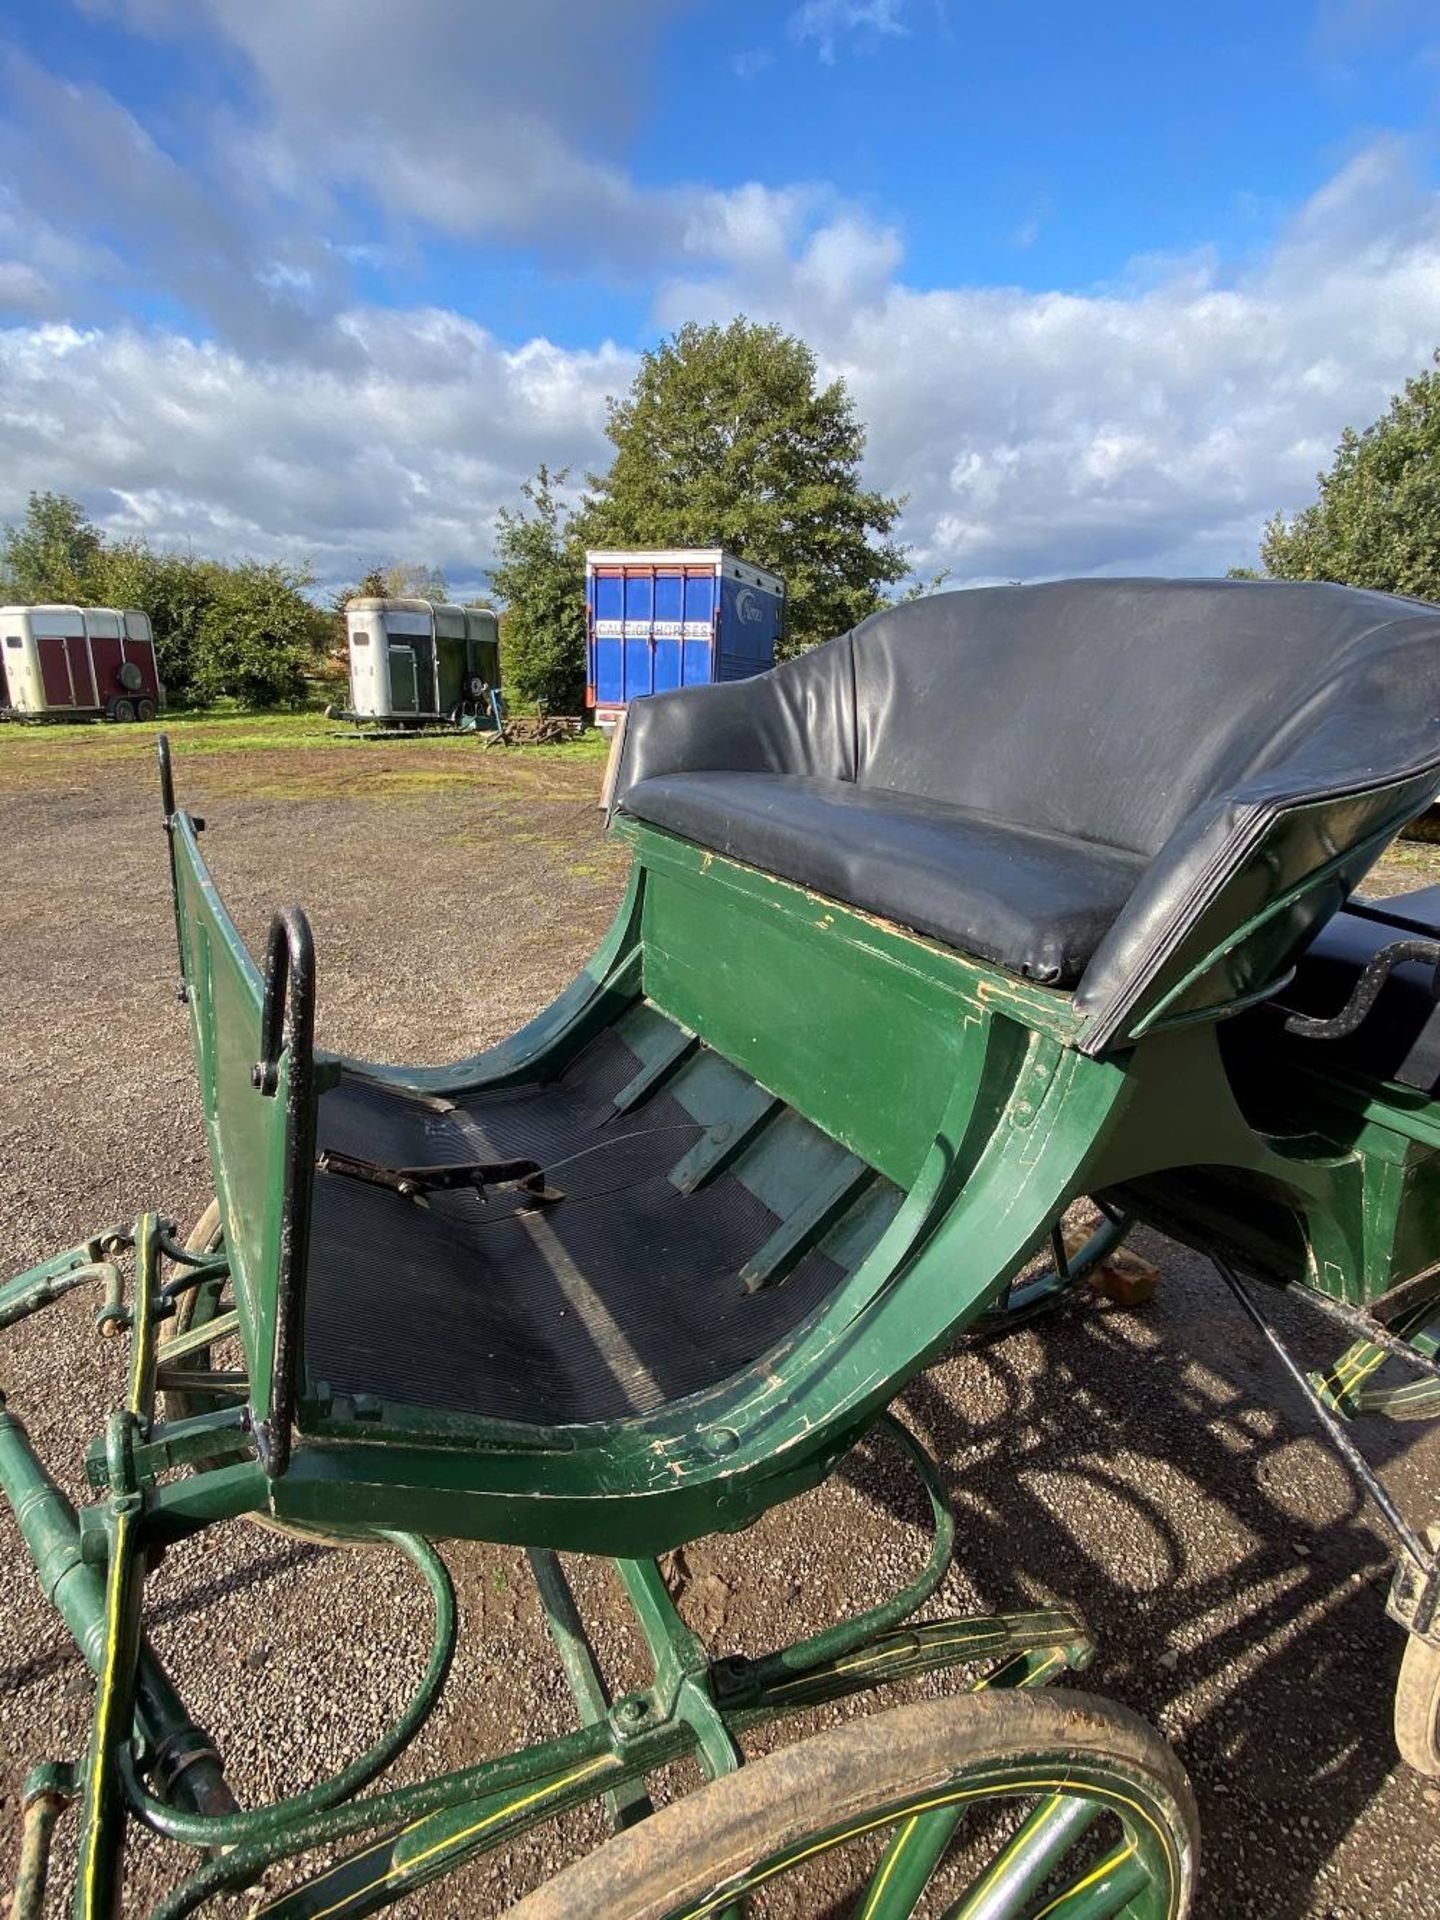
[{"x": 280, "y": 755}]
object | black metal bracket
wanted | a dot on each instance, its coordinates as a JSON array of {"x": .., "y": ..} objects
[
  {"x": 1370, "y": 1322},
  {"x": 526, "y": 1177},
  {"x": 1413, "y": 1597},
  {"x": 287, "y": 1027},
  {"x": 1367, "y": 990},
  {"x": 289, "y": 994}
]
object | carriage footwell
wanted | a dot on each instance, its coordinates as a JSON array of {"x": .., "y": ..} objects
[{"x": 623, "y": 1295}]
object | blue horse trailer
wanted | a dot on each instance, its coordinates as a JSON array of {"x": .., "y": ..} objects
[{"x": 659, "y": 618}]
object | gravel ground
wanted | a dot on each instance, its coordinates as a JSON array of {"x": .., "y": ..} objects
[{"x": 1146, "y": 1467}]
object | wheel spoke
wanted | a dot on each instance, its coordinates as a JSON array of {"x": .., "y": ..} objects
[
  {"x": 1027, "y": 1860},
  {"x": 199, "y": 1337},
  {"x": 1105, "y": 1891},
  {"x": 914, "y": 1851}
]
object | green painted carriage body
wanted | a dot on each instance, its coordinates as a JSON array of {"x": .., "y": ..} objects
[
  {"x": 956, "y": 1096},
  {"x": 915, "y": 1118}
]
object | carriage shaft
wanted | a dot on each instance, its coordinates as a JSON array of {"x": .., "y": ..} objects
[{"x": 182, "y": 1751}]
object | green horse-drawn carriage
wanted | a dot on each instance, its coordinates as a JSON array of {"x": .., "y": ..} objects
[{"x": 1005, "y": 899}]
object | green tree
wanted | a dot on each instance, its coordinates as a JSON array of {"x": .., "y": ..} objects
[
  {"x": 55, "y": 553},
  {"x": 247, "y": 630},
  {"x": 372, "y": 585},
  {"x": 919, "y": 587},
  {"x": 540, "y": 578},
  {"x": 726, "y": 439},
  {"x": 401, "y": 580},
  {"x": 175, "y": 589},
  {"x": 258, "y": 635},
  {"x": 1377, "y": 520},
  {"x": 414, "y": 580}
]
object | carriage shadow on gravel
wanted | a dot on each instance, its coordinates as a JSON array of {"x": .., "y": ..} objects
[{"x": 1150, "y": 1470}]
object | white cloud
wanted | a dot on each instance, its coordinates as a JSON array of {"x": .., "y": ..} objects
[
  {"x": 439, "y": 118},
  {"x": 78, "y": 164},
  {"x": 1153, "y": 426},
  {"x": 406, "y": 450},
  {"x": 750, "y": 61},
  {"x": 1150, "y": 424},
  {"x": 1149, "y": 427},
  {"x": 38, "y": 261},
  {"x": 474, "y": 121},
  {"x": 829, "y": 22},
  {"x": 24, "y": 289}
]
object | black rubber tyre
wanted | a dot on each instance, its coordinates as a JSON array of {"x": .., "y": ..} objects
[
  {"x": 130, "y": 676},
  {"x": 708, "y": 1851},
  {"x": 145, "y": 711},
  {"x": 122, "y": 711}
]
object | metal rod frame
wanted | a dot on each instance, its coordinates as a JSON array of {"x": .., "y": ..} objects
[
  {"x": 1365, "y": 1327},
  {"x": 149, "y": 1761},
  {"x": 1334, "y": 1426}
]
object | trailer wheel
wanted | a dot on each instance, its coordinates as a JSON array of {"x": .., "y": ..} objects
[
  {"x": 122, "y": 711},
  {"x": 145, "y": 711}
]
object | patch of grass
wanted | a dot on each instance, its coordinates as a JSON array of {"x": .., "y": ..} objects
[
  {"x": 1416, "y": 862},
  {"x": 41, "y": 754}
]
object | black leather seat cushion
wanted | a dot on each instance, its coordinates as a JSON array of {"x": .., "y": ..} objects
[
  {"x": 1399, "y": 1039},
  {"x": 1037, "y": 902},
  {"x": 1152, "y": 761}
]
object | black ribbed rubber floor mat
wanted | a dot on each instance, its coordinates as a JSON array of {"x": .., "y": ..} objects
[{"x": 618, "y": 1298}]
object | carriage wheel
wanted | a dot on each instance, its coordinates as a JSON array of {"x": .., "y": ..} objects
[
  {"x": 1417, "y": 1698},
  {"x": 1417, "y": 1707},
  {"x": 194, "y": 1308},
  {"x": 984, "y": 1806}
]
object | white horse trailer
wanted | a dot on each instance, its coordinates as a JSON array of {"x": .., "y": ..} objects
[
  {"x": 419, "y": 663},
  {"x": 73, "y": 663}
]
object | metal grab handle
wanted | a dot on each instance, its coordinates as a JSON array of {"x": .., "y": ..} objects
[
  {"x": 288, "y": 1015},
  {"x": 287, "y": 1025},
  {"x": 1367, "y": 990}
]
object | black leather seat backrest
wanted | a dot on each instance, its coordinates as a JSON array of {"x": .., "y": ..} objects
[
  {"x": 1257, "y": 741},
  {"x": 1107, "y": 709}
]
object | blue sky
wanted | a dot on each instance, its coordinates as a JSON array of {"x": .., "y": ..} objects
[{"x": 325, "y": 281}]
